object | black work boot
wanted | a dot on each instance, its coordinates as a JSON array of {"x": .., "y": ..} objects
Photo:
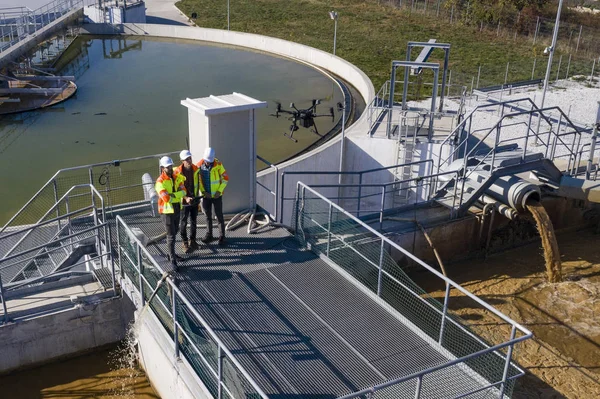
[
  {"x": 194, "y": 245},
  {"x": 222, "y": 240},
  {"x": 186, "y": 247},
  {"x": 207, "y": 238}
]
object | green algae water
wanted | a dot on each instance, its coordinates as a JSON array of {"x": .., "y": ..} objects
[{"x": 128, "y": 105}]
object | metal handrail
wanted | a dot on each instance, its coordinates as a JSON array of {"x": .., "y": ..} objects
[
  {"x": 93, "y": 191},
  {"x": 302, "y": 188},
  {"x": 498, "y": 125},
  {"x": 274, "y": 193},
  {"x": 417, "y": 260},
  {"x": 192, "y": 309},
  {"x": 89, "y": 166}
]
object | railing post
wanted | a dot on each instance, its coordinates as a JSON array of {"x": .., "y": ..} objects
[
  {"x": 527, "y": 136},
  {"x": 380, "y": 273},
  {"x": 588, "y": 173},
  {"x": 140, "y": 273},
  {"x": 56, "y": 202},
  {"x": 175, "y": 325},
  {"x": 3, "y": 299},
  {"x": 444, "y": 313},
  {"x": 220, "y": 372},
  {"x": 418, "y": 388},
  {"x": 281, "y": 201},
  {"x": 360, "y": 176},
  {"x": 329, "y": 227},
  {"x": 382, "y": 208},
  {"x": 119, "y": 249},
  {"x": 513, "y": 333}
]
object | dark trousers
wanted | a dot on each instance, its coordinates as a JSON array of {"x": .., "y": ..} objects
[
  {"x": 171, "y": 221},
  {"x": 190, "y": 212},
  {"x": 207, "y": 204}
]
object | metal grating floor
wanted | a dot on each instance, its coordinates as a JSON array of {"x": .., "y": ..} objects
[{"x": 299, "y": 327}]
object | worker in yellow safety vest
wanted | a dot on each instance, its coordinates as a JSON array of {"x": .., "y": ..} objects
[
  {"x": 213, "y": 180},
  {"x": 190, "y": 211},
  {"x": 171, "y": 192}
]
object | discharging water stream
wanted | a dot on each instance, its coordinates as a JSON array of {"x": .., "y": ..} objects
[{"x": 546, "y": 230}]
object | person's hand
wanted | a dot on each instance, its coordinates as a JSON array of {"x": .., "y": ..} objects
[
  {"x": 188, "y": 200},
  {"x": 206, "y": 194},
  {"x": 217, "y": 194}
]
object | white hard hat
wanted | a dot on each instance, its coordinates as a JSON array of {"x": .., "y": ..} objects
[
  {"x": 185, "y": 154},
  {"x": 209, "y": 154},
  {"x": 166, "y": 161}
]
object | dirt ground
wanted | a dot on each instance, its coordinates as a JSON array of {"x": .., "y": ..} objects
[{"x": 563, "y": 358}]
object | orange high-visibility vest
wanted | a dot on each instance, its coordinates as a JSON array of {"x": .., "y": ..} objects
[{"x": 165, "y": 186}]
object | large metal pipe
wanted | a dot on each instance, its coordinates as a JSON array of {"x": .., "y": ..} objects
[{"x": 514, "y": 192}]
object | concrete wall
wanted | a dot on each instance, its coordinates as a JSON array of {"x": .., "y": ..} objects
[
  {"x": 49, "y": 337},
  {"x": 171, "y": 378},
  {"x": 459, "y": 239}
]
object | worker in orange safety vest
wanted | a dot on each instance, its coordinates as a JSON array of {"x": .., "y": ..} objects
[{"x": 171, "y": 193}]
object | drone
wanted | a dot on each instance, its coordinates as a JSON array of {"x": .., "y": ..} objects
[{"x": 304, "y": 117}]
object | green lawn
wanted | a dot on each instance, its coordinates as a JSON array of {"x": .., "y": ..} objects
[{"x": 371, "y": 35}]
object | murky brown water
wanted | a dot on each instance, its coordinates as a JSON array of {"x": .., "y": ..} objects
[
  {"x": 546, "y": 230},
  {"x": 101, "y": 375},
  {"x": 563, "y": 358}
]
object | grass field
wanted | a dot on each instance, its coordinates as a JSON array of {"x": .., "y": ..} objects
[{"x": 370, "y": 35}]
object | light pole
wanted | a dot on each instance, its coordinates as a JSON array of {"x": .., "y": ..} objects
[
  {"x": 550, "y": 52},
  {"x": 334, "y": 15},
  {"x": 228, "y": 14}
]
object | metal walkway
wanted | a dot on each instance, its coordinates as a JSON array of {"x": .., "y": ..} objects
[{"x": 299, "y": 326}]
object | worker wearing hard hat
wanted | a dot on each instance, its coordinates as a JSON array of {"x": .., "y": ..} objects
[
  {"x": 213, "y": 180},
  {"x": 171, "y": 192},
  {"x": 190, "y": 211}
]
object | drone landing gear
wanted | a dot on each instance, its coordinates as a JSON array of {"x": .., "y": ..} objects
[{"x": 290, "y": 135}]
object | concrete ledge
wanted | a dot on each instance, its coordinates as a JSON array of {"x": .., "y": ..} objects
[{"x": 46, "y": 338}]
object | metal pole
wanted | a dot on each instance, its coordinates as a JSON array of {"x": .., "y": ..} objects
[
  {"x": 592, "y": 75},
  {"x": 227, "y": 14},
  {"x": 558, "y": 71},
  {"x": 175, "y": 325},
  {"x": 406, "y": 77},
  {"x": 382, "y": 208},
  {"x": 549, "y": 66},
  {"x": 446, "y": 60},
  {"x": 508, "y": 357},
  {"x": 359, "y": 194},
  {"x": 3, "y": 301},
  {"x": 537, "y": 27},
  {"x": 533, "y": 70},
  {"x": 552, "y": 48},
  {"x": 380, "y": 274},
  {"x": 220, "y": 372},
  {"x": 579, "y": 37},
  {"x": 119, "y": 250},
  {"x": 478, "y": 75},
  {"x": 444, "y": 312},
  {"x": 281, "y": 199},
  {"x": 593, "y": 144},
  {"x": 568, "y": 67},
  {"x": 329, "y": 228},
  {"x": 506, "y": 73},
  {"x": 334, "y": 33},
  {"x": 140, "y": 273},
  {"x": 418, "y": 388},
  {"x": 434, "y": 96}
]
